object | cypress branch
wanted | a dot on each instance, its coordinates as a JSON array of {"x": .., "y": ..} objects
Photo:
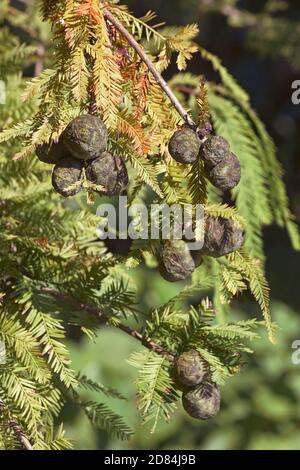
[
  {"x": 158, "y": 77},
  {"x": 103, "y": 318}
]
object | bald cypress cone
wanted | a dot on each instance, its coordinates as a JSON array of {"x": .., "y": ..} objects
[
  {"x": 202, "y": 402},
  {"x": 51, "y": 153},
  {"x": 175, "y": 261},
  {"x": 234, "y": 237},
  {"x": 184, "y": 146},
  {"x": 197, "y": 257},
  {"x": 227, "y": 174},
  {"x": 86, "y": 137},
  {"x": 191, "y": 369},
  {"x": 213, "y": 151},
  {"x": 221, "y": 236},
  {"x": 67, "y": 176},
  {"x": 108, "y": 171},
  {"x": 118, "y": 246}
]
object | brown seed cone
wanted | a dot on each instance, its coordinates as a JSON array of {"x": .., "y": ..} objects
[
  {"x": 191, "y": 369},
  {"x": 175, "y": 261},
  {"x": 227, "y": 174},
  {"x": 233, "y": 238},
  {"x": 213, "y": 151},
  {"x": 51, "y": 153},
  {"x": 221, "y": 237},
  {"x": 86, "y": 137},
  {"x": 184, "y": 146},
  {"x": 119, "y": 246},
  {"x": 67, "y": 176},
  {"x": 108, "y": 171},
  {"x": 197, "y": 257},
  {"x": 203, "y": 401}
]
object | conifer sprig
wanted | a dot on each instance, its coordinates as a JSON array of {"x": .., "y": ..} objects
[
  {"x": 158, "y": 77},
  {"x": 12, "y": 424},
  {"x": 102, "y": 318}
]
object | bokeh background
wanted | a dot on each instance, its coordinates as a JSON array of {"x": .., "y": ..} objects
[{"x": 258, "y": 41}]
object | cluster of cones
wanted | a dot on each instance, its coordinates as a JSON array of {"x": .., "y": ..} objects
[
  {"x": 221, "y": 236},
  {"x": 81, "y": 159}
]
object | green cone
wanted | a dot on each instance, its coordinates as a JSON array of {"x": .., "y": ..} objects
[
  {"x": 108, "y": 171},
  {"x": 221, "y": 237},
  {"x": 227, "y": 174},
  {"x": 86, "y": 137},
  {"x": 175, "y": 261},
  {"x": 184, "y": 146},
  {"x": 213, "y": 151},
  {"x": 66, "y": 176},
  {"x": 203, "y": 401},
  {"x": 51, "y": 153},
  {"x": 190, "y": 368}
]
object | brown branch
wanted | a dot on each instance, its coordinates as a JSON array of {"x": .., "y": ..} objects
[
  {"x": 101, "y": 316},
  {"x": 207, "y": 129},
  {"x": 158, "y": 77},
  {"x": 17, "y": 429}
]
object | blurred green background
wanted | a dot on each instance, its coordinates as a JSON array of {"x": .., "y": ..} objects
[{"x": 261, "y": 406}]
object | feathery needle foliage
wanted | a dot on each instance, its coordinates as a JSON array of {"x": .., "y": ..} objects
[{"x": 55, "y": 276}]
